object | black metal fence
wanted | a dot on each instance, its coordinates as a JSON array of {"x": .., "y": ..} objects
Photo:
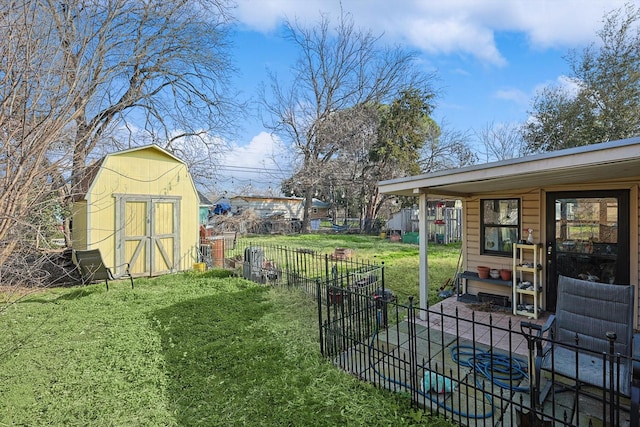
[
  {"x": 306, "y": 268},
  {"x": 470, "y": 371}
]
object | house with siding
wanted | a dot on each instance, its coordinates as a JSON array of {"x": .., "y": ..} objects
[
  {"x": 444, "y": 218},
  {"x": 205, "y": 208},
  {"x": 279, "y": 207},
  {"x": 578, "y": 208}
]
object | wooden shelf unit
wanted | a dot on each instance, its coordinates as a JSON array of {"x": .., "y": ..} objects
[{"x": 527, "y": 267}]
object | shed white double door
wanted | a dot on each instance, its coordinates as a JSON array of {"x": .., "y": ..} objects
[{"x": 148, "y": 233}]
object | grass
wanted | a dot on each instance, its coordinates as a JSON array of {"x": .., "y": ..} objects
[
  {"x": 190, "y": 349},
  {"x": 401, "y": 260},
  {"x": 185, "y": 349}
]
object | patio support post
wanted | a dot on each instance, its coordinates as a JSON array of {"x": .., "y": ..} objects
[{"x": 423, "y": 244}]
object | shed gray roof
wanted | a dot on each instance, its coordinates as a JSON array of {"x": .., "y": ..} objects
[{"x": 596, "y": 162}]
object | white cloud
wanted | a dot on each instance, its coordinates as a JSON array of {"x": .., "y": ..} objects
[
  {"x": 261, "y": 151},
  {"x": 261, "y": 163},
  {"x": 567, "y": 84},
  {"x": 450, "y": 27},
  {"x": 561, "y": 23},
  {"x": 515, "y": 95},
  {"x": 450, "y": 35}
]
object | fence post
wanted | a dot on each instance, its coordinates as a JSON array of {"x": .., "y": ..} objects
[
  {"x": 326, "y": 266},
  {"x": 287, "y": 264},
  {"x": 319, "y": 299},
  {"x": 413, "y": 354},
  {"x": 611, "y": 336}
]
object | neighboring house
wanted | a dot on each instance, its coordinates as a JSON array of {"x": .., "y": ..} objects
[
  {"x": 279, "y": 207},
  {"x": 205, "y": 207},
  {"x": 319, "y": 209},
  {"x": 403, "y": 221},
  {"x": 580, "y": 203},
  {"x": 444, "y": 218},
  {"x": 139, "y": 206}
]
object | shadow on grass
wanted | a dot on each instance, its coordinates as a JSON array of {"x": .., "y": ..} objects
[
  {"x": 66, "y": 296},
  {"x": 209, "y": 345}
]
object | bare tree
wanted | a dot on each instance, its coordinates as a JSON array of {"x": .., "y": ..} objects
[
  {"x": 34, "y": 115},
  {"x": 502, "y": 141},
  {"x": 350, "y": 171},
  {"x": 337, "y": 70},
  {"x": 162, "y": 65},
  {"x": 81, "y": 75},
  {"x": 34, "y": 112},
  {"x": 446, "y": 148}
]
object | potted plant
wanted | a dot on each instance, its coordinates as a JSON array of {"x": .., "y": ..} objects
[
  {"x": 505, "y": 274},
  {"x": 483, "y": 272}
]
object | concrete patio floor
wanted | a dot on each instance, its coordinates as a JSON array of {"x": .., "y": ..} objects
[{"x": 476, "y": 325}]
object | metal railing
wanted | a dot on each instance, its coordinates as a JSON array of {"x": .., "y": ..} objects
[
  {"x": 469, "y": 371},
  {"x": 304, "y": 268},
  {"x": 470, "y": 381}
]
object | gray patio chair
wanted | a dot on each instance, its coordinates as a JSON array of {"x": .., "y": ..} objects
[
  {"x": 92, "y": 268},
  {"x": 588, "y": 317}
]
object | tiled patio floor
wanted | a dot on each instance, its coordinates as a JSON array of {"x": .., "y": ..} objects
[{"x": 472, "y": 322}]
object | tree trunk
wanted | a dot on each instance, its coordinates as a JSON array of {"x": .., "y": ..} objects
[
  {"x": 66, "y": 230},
  {"x": 372, "y": 210},
  {"x": 306, "y": 217}
]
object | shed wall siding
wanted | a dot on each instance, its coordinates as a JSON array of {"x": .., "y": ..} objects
[{"x": 79, "y": 225}]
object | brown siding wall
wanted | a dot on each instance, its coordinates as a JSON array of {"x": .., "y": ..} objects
[
  {"x": 533, "y": 216},
  {"x": 530, "y": 217}
]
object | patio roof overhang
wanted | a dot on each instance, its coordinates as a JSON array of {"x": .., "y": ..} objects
[{"x": 597, "y": 162}]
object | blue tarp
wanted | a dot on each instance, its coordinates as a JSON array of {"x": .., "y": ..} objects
[{"x": 222, "y": 208}]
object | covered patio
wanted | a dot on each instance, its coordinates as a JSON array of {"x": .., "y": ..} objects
[
  {"x": 542, "y": 193},
  {"x": 578, "y": 211}
]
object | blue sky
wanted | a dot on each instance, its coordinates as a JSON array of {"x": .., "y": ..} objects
[{"x": 490, "y": 57}]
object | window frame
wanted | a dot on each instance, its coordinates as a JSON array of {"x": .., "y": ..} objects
[{"x": 484, "y": 225}]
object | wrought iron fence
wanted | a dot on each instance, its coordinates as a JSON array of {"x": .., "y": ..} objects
[
  {"x": 305, "y": 268},
  {"x": 470, "y": 371},
  {"x": 481, "y": 379}
]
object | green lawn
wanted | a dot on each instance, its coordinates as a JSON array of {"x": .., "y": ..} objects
[
  {"x": 401, "y": 260},
  {"x": 184, "y": 349}
]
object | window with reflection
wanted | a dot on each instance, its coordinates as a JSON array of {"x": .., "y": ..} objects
[
  {"x": 586, "y": 235},
  {"x": 500, "y": 226}
]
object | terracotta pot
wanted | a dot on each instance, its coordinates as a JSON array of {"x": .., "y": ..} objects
[
  {"x": 505, "y": 274},
  {"x": 335, "y": 297},
  {"x": 483, "y": 272}
]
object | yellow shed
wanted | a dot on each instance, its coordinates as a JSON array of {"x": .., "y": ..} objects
[{"x": 139, "y": 206}]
